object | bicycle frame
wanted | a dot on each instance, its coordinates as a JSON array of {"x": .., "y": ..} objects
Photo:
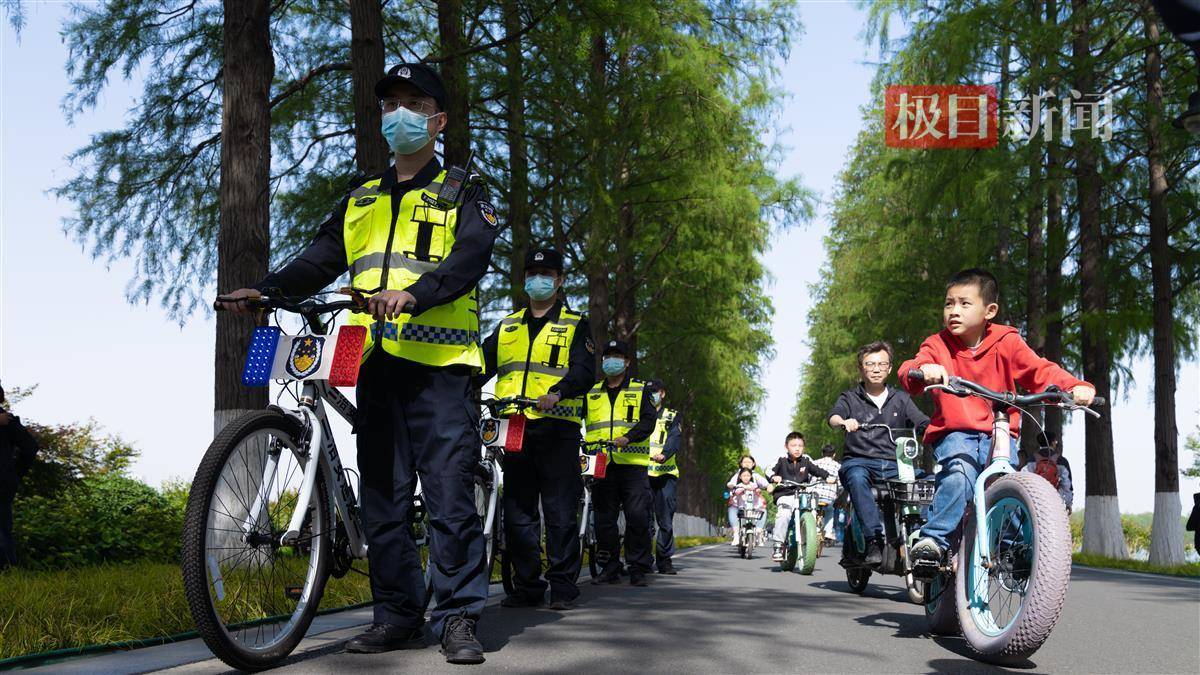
[
  {"x": 311, "y": 413},
  {"x": 1000, "y": 462}
]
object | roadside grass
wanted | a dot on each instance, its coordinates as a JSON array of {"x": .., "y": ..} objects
[
  {"x": 43, "y": 611},
  {"x": 74, "y": 608},
  {"x": 689, "y": 542},
  {"x": 1092, "y": 560}
]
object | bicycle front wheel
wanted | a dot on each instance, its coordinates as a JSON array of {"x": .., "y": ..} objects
[
  {"x": 251, "y": 596},
  {"x": 1007, "y": 608},
  {"x": 808, "y": 542}
]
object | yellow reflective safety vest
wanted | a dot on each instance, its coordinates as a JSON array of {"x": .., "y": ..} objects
[
  {"x": 529, "y": 367},
  {"x": 417, "y": 242},
  {"x": 658, "y": 442},
  {"x": 608, "y": 419}
]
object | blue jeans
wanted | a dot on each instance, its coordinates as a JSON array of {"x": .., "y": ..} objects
[
  {"x": 856, "y": 474},
  {"x": 962, "y": 454}
]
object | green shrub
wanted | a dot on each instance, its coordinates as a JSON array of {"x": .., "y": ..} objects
[{"x": 103, "y": 518}]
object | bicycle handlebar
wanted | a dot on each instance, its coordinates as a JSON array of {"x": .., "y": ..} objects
[
  {"x": 297, "y": 304},
  {"x": 959, "y": 386},
  {"x": 495, "y": 404},
  {"x": 305, "y": 304}
]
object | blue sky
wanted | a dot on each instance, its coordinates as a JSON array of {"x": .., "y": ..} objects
[{"x": 65, "y": 324}]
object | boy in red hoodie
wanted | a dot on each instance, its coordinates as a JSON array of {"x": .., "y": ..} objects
[{"x": 970, "y": 346}]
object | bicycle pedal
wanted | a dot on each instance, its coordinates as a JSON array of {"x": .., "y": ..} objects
[{"x": 928, "y": 569}]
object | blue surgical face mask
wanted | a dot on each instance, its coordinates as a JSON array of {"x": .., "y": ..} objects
[
  {"x": 539, "y": 287},
  {"x": 405, "y": 131},
  {"x": 656, "y": 398},
  {"x": 612, "y": 365}
]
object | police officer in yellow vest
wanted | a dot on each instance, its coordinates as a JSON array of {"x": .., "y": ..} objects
[
  {"x": 664, "y": 476},
  {"x": 543, "y": 351},
  {"x": 415, "y": 391},
  {"x": 619, "y": 410}
]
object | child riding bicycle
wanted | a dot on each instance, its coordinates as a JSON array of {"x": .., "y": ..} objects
[
  {"x": 993, "y": 355},
  {"x": 796, "y": 467}
]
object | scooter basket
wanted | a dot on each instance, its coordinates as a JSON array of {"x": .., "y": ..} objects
[{"x": 918, "y": 493}]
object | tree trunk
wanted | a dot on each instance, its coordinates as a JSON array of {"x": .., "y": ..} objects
[
  {"x": 1035, "y": 297},
  {"x": 1035, "y": 244},
  {"x": 596, "y": 256},
  {"x": 519, "y": 214},
  {"x": 457, "y": 136},
  {"x": 1056, "y": 251},
  {"x": 366, "y": 60},
  {"x": 243, "y": 243},
  {"x": 1166, "y": 538},
  {"x": 1102, "y": 532}
]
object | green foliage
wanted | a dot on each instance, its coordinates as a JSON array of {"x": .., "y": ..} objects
[
  {"x": 1192, "y": 445},
  {"x": 71, "y": 452},
  {"x": 103, "y": 518},
  {"x": 904, "y": 220}
]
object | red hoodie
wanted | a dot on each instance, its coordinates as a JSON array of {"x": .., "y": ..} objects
[{"x": 1001, "y": 362}]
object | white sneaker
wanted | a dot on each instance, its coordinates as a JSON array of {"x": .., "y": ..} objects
[
  {"x": 777, "y": 554},
  {"x": 734, "y": 541}
]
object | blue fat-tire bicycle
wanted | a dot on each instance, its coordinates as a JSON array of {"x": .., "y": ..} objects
[{"x": 1008, "y": 580}]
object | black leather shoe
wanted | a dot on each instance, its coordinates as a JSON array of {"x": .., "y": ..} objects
[
  {"x": 874, "y": 556},
  {"x": 519, "y": 600},
  {"x": 610, "y": 575},
  {"x": 637, "y": 579},
  {"x": 459, "y": 643},
  {"x": 667, "y": 568},
  {"x": 385, "y": 637},
  {"x": 562, "y": 605}
]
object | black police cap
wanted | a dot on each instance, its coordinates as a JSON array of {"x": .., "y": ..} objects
[
  {"x": 656, "y": 385},
  {"x": 616, "y": 347},
  {"x": 544, "y": 257},
  {"x": 423, "y": 77}
]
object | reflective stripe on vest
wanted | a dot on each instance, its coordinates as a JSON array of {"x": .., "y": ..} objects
[
  {"x": 421, "y": 237},
  {"x": 658, "y": 442},
  {"x": 528, "y": 366},
  {"x": 607, "y": 419}
]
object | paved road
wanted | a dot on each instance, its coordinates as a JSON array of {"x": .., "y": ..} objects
[{"x": 723, "y": 614}]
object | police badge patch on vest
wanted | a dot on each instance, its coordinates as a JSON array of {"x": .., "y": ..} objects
[{"x": 488, "y": 212}]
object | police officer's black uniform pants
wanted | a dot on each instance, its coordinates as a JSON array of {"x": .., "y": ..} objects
[
  {"x": 662, "y": 492},
  {"x": 415, "y": 421},
  {"x": 624, "y": 488},
  {"x": 547, "y": 468}
]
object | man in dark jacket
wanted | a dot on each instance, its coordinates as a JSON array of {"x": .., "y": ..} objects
[
  {"x": 17, "y": 450},
  {"x": 869, "y": 455}
]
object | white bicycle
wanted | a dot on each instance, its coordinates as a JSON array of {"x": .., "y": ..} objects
[{"x": 272, "y": 514}]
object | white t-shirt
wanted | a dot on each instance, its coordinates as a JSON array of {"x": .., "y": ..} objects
[{"x": 878, "y": 400}]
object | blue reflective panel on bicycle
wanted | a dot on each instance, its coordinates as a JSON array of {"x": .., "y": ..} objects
[{"x": 261, "y": 356}]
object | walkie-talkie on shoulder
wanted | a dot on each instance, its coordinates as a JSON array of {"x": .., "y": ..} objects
[{"x": 452, "y": 186}]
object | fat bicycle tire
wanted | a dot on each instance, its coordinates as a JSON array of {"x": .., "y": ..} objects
[
  {"x": 1048, "y": 576},
  {"x": 808, "y": 542},
  {"x": 197, "y": 562}
]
